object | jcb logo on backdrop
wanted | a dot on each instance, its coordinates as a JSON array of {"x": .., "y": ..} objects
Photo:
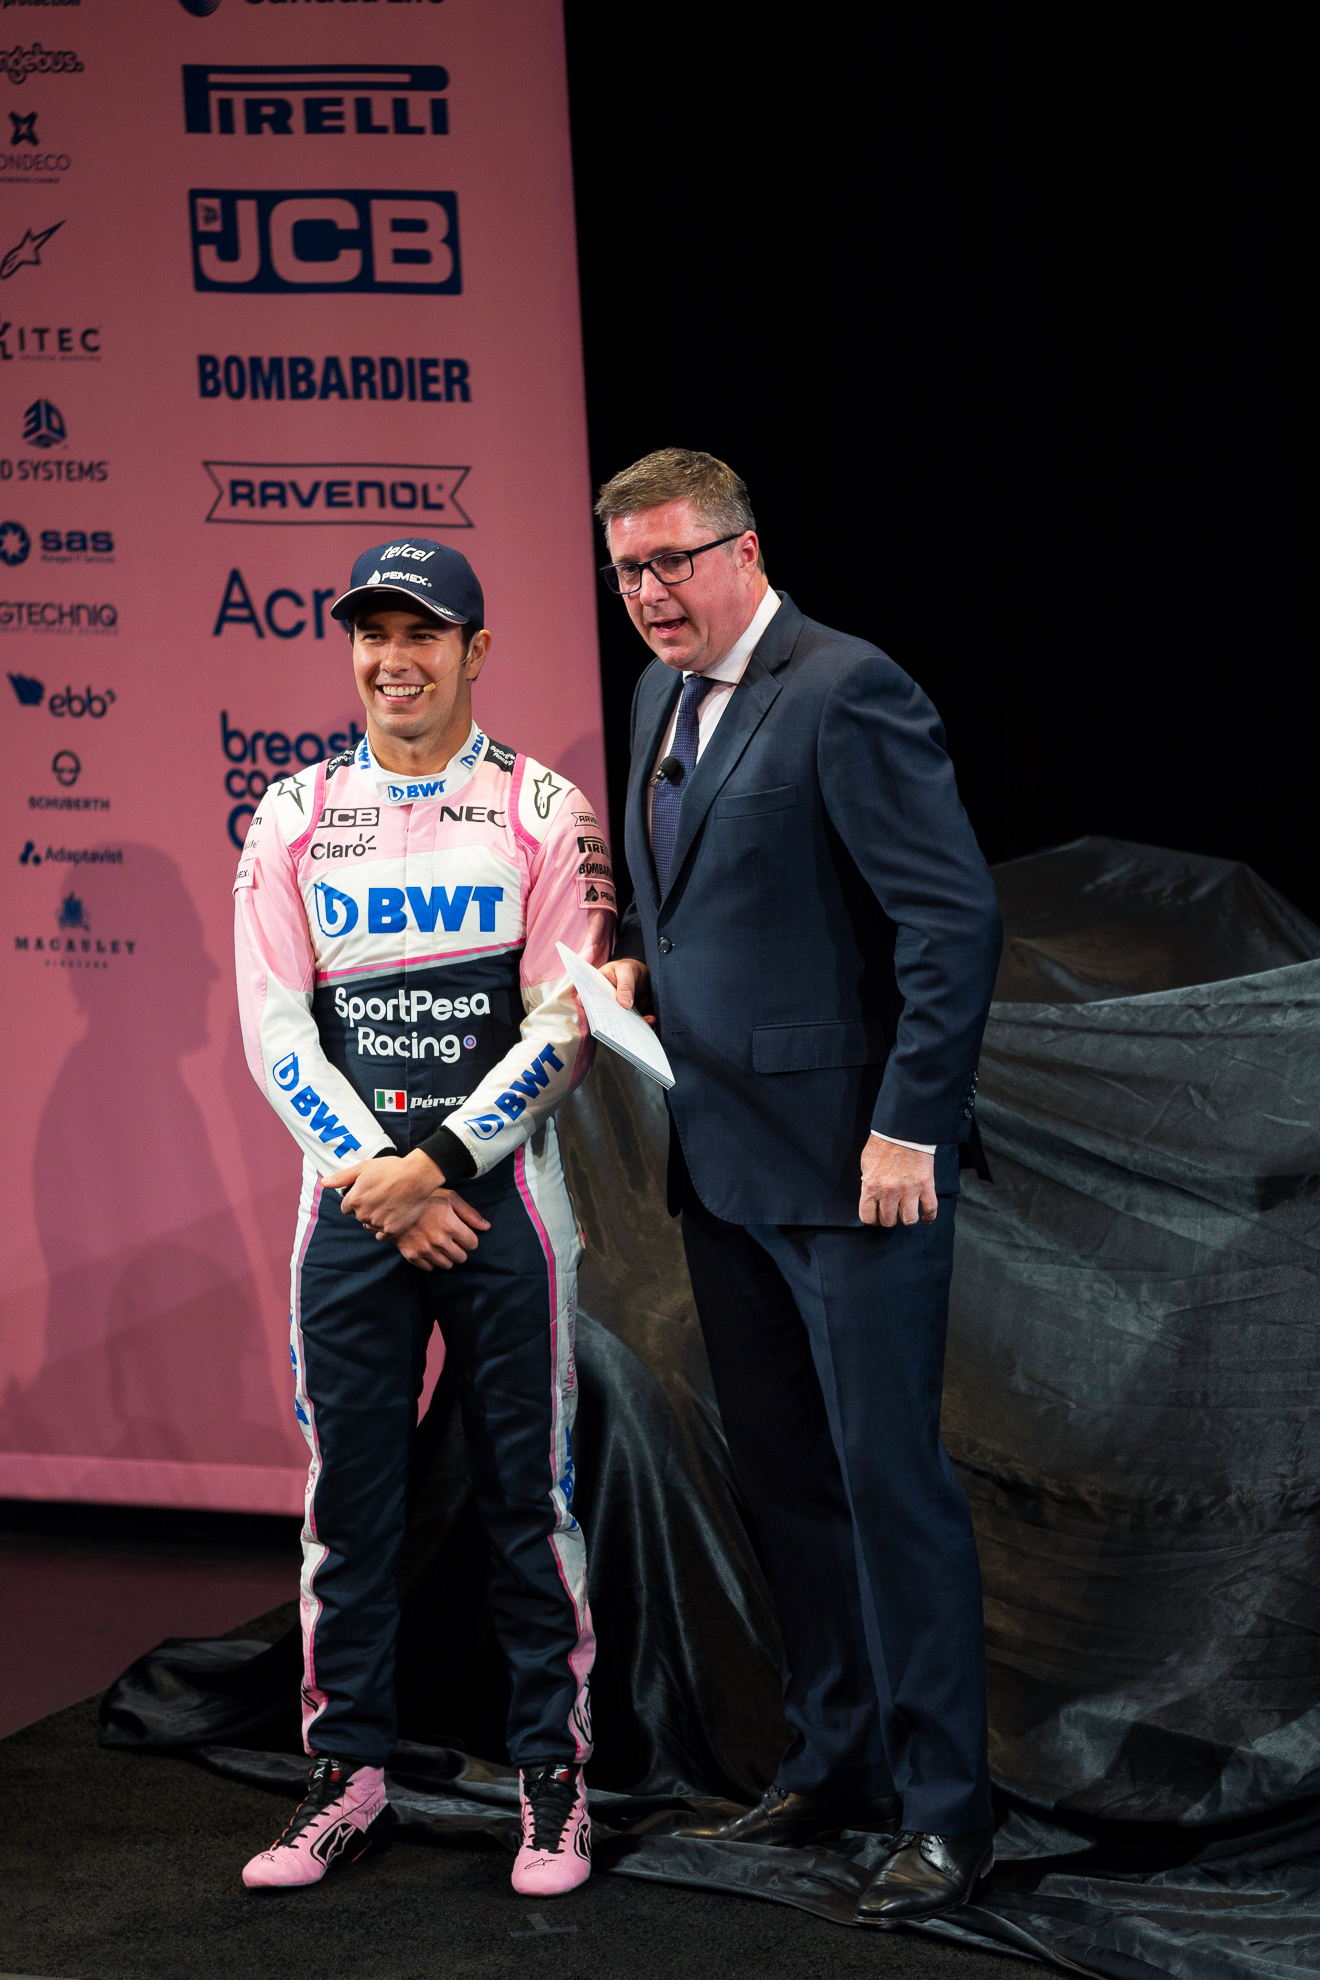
[
  {"x": 334, "y": 99},
  {"x": 298, "y": 243}
]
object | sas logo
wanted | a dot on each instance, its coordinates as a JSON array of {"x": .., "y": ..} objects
[
  {"x": 15, "y": 544},
  {"x": 344, "y": 242},
  {"x": 334, "y": 99},
  {"x": 389, "y": 909}
]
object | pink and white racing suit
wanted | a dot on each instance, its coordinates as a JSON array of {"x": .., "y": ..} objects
[{"x": 399, "y": 986}]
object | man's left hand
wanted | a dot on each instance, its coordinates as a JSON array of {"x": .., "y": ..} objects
[
  {"x": 387, "y": 1193},
  {"x": 898, "y": 1184}
]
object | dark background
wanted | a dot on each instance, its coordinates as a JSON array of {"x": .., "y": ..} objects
[{"x": 1002, "y": 326}]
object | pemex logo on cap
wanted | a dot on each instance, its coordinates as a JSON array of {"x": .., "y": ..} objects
[{"x": 440, "y": 579}]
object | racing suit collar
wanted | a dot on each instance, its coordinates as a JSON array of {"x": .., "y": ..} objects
[{"x": 395, "y": 789}]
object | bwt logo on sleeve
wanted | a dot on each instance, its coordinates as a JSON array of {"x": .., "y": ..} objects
[
  {"x": 287, "y": 243},
  {"x": 336, "y": 99}
]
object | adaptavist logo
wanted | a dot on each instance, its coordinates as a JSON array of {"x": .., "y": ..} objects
[
  {"x": 25, "y": 163},
  {"x": 44, "y": 343},
  {"x": 43, "y": 424},
  {"x": 27, "y": 252},
  {"x": 338, "y": 242},
  {"x": 20, "y": 63},
  {"x": 31, "y": 693},
  {"x": 428, "y": 379},
  {"x": 334, "y": 99},
  {"x": 15, "y": 544},
  {"x": 72, "y": 855}
]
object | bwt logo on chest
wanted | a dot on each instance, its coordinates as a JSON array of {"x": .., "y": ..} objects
[{"x": 390, "y": 910}]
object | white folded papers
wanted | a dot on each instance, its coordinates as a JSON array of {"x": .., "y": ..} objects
[{"x": 623, "y": 1031}]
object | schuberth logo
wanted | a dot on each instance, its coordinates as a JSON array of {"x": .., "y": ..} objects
[
  {"x": 334, "y": 99},
  {"x": 305, "y": 243}
]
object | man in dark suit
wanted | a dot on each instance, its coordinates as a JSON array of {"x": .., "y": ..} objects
[{"x": 817, "y": 934}]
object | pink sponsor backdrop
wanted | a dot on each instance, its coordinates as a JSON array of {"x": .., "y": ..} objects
[{"x": 151, "y": 1194}]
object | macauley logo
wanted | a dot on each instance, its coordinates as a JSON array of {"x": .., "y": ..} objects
[
  {"x": 333, "y": 99},
  {"x": 304, "y": 243}
]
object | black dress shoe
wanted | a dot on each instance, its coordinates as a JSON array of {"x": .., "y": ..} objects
[
  {"x": 926, "y": 1874},
  {"x": 792, "y": 1819}
]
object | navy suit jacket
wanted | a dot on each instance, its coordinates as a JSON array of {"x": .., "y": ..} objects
[{"x": 823, "y": 958}]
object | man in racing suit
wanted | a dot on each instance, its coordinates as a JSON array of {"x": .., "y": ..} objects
[{"x": 406, "y": 1014}]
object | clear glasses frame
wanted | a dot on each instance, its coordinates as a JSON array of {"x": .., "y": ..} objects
[{"x": 670, "y": 567}]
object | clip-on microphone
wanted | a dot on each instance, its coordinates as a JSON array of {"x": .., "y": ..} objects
[{"x": 669, "y": 771}]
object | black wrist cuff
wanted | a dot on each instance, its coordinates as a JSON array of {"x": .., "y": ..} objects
[{"x": 451, "y": 1156}]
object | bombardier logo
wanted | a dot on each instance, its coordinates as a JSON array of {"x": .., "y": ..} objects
[{"x": 338, "y": 242}]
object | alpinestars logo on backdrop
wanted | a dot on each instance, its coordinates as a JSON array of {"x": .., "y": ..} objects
[
  {"x": 27, "y": 254},
  {"x": 345, "y": 242}
]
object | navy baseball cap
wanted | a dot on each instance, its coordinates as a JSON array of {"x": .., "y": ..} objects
[{"x": 434, "y": 577}]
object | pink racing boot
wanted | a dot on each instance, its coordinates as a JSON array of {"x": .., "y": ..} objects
[
  {"x": 344, "y": 1815},
  {"x": 556, "y": 1847}
]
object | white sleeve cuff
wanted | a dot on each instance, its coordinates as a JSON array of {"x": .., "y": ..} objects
[{"x": 921, "y": 1147}]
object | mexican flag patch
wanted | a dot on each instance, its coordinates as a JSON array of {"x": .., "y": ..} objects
[{"x": 388, "y": 1102}]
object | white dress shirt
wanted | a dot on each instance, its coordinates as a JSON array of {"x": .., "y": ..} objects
[{"x": 725, "y": 676}]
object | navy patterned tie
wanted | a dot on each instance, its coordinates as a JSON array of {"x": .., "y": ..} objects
[{"x": 668, "y": 798}]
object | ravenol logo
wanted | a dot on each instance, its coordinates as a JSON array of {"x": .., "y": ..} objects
[
  {"x": 302, "y": 243},
  {"x": 286, "y": 1072},
  {"x": 332, "y": 99},
  {"x": 390, "y": 908}
]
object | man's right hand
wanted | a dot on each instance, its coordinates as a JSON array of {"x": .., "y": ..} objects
[
  {"x": 444, "y": 1233},
  {"x": 632, "y": 985}
]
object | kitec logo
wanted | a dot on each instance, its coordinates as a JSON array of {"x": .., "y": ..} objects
[
  {"x": 281, "y": 243},
  {"x": 334, "y": 99}
]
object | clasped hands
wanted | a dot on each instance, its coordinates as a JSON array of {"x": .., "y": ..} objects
[
  {"x": 404, "y": 1199},
  {"x": 898, "y": 1184}
]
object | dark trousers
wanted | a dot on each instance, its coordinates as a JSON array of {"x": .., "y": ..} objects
[
  {"x": 362, "y": 1317},
  {"x": 827, "y": 1351}
]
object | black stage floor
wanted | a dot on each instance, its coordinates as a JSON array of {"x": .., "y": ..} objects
[{"x": 118, "y": 1867}]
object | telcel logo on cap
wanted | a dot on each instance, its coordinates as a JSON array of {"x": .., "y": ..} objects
[{"x": 446, "y": 583}]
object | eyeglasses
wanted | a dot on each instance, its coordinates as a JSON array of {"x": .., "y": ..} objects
[{"x": 671, "y": 567}]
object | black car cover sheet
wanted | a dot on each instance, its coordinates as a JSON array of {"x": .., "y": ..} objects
[{"x": 1131, "y": 1403}]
